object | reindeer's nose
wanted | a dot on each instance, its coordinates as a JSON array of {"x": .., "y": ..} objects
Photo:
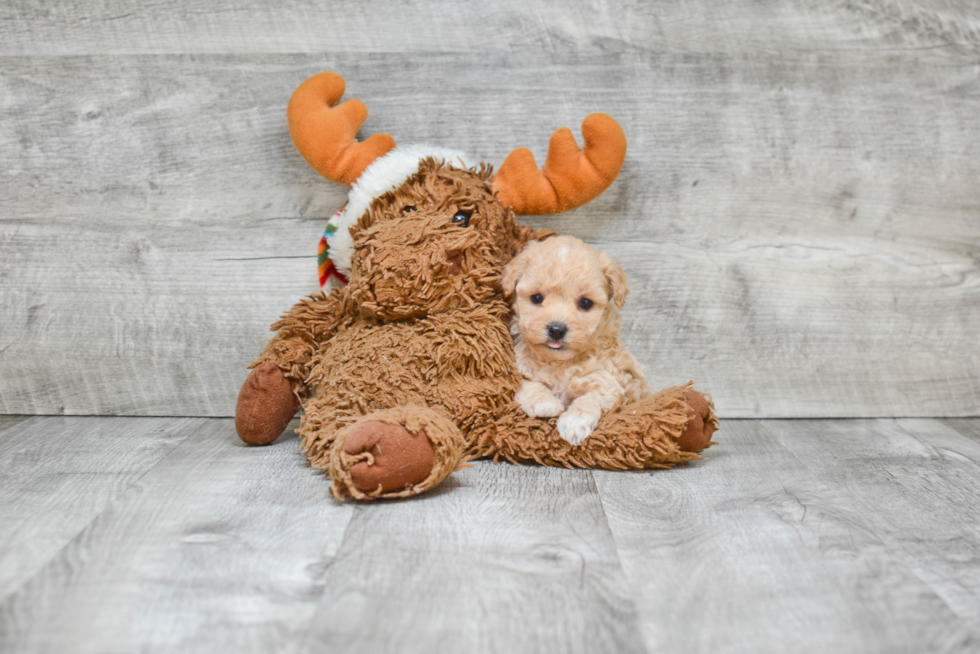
[
  {"x": 557, "y": 331},
  {"x": 455, "y": 260}
]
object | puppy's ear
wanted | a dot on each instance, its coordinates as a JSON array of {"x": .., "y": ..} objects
[
  {"x": 616, "y": 278},
  {"x": 513, "y": 271}
]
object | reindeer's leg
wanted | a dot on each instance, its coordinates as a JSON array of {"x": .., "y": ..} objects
[
  {"x": 702, "y": 424},
  {"x": 668, "y": 428},
  {"x": 396, "y": 452}
]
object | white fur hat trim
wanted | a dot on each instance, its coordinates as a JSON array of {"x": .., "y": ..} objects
[{"x": 384, "y": 174}]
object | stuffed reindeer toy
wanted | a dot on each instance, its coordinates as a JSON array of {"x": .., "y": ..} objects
[{"x": 406, "y": 369}]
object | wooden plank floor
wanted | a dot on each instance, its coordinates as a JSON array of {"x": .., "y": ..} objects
[{"x": 167, "y": 534}]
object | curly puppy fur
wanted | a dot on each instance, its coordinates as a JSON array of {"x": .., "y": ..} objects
[
  {"x": 423, "y": 324},
  {"x": 566, "y": 297}
]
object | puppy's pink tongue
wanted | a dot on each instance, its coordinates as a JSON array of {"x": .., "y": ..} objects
[{"x": 554, "y": 346}]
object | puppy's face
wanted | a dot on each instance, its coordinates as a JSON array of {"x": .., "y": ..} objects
[{"x": 563, "y": 291}]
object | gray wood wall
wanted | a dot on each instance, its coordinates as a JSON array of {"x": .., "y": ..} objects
[{"x": 799, "y": 212}]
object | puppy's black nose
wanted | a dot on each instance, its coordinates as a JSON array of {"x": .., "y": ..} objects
[{"x": 557, "y": 331}]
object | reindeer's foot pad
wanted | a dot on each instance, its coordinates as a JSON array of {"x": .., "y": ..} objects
[
  {"x": 390, "y": 458},
  {"x": 703, "y": 423},
  {"x": 266, "y": 404},
  {"x": 395, "y": 453}
]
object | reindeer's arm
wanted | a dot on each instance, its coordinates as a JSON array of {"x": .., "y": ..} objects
[
  {"x": 272, "y": 392},
  {"x": 299, "y": 334}
]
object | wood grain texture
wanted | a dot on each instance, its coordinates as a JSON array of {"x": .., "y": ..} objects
[
  {"x": 761, "y": 547},
  {"x": 914, "y": 482},
  {"x": 789, "y": 536},
  {"x": 498, "y": 559},
  {"x": 219, "y": 547},
  {"x": 9, "y": 421},
  {"x": 60, "y": 473},
  {"x": 969, "y": 427},
  {"x": 797, "y": 212},
  {"x": 30, "y": 27},
  {"x": 224, "y": 546}
]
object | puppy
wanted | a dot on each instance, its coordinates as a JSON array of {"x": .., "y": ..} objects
[{"x": 566, "y": 297}]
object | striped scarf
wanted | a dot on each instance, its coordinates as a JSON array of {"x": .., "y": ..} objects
[{"x": 324, "y": 265}]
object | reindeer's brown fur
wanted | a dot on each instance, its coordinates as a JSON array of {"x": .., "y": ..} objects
[{"x": 420, "y": 338}]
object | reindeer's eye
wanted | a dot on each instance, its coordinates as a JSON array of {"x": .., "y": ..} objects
[
  {"x": 537, "y": 298},
  {"x": 585, "y": 304},
  {"x": 408, "y": 209},
  {"x": 462, "y": 218}
]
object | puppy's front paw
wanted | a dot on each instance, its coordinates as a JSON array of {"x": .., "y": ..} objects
[
  {"x": 575, "y": 427},
  {"x": 537, "y": 401},
  {"x": 546, "y": 408}
]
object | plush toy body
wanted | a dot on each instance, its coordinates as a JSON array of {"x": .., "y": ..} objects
[{"x": 409, "y": 370}]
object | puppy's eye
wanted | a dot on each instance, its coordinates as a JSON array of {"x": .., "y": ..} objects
[
  {"x": 537, "y": 298},
  {"x": 585, "y": 304},
  {"x": 462, "y": 218},
  {"x": 408, "y": 209}
]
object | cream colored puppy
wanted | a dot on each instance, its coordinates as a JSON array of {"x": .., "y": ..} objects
[{"x": 566, "y": 296}]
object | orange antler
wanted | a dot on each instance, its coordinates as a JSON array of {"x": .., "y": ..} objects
[
  {"x": 571, "y": 177},
  {"x": 325, "y": 134}
]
